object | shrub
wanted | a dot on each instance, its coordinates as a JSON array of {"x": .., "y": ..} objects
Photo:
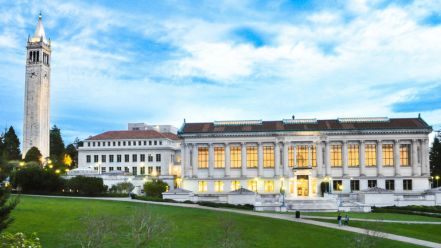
[
  {"x": 122, "y": 188},
  {"x": 86, "y": 185},
  {"x": 33, "y": 155},
  {"x": 155, "y": 188},
  {"x": 9, "y": 240},
  {"x": 34, "y": 179}
]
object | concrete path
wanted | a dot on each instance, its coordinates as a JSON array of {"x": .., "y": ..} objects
[
  {"x": 373, "y": 220},
  {"x": 287, "y": 217}
]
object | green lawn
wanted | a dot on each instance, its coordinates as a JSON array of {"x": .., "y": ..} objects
[
  {"x": 378, "y": 216},
  {"x": 56, "y": 219},
  {"x": 428, "y": 232}
]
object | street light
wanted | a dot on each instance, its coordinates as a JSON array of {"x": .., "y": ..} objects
[{"x": 437, "y": 178}]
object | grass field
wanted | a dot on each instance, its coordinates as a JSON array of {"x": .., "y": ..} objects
[
  {"x": 420, "y": 231},
  {"x": 378, "y": 216},
  {"x": 55, "y": 220}
]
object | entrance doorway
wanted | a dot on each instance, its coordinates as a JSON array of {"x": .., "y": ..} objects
[{"x": 303, "y": 185}]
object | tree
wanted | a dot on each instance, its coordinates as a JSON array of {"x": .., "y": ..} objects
[
  {"x": 33, "y": 155},
  {"x": 34, "y": 179},
  {"x": 72, "y": 152},
  {"x": 86, "y": 185},
  {"x": 7, "y": 204},
  {"x": 56, "y": 144},
  {"x": 11, "y": 146},
  {"x": 2, "y": 144},
  {"x": 435, "y": 156},
  {"x": 155, "y": 188}
]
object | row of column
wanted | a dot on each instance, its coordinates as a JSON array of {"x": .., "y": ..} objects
[{"x": 323, "y": 160}]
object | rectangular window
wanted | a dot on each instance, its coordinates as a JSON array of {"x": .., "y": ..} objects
[
  {"x": 202, "y": 186},
  {"x": 336, "y": 160},
  {"x": 156, "y": 142},
  {"x": 150, "y": 170},
  {"x": 110, "y": 168},
  {"x": 88, "y": 159},
  {"x": 134, "y": 170},
  {"x": 111, "y": 158},
  {"x": 118, "y": 168},
  {"x": 390, "y": 185},
  {"x": 372, "y": 183},
  {"x": 235, "y": 185},
  {"x": 252, "y": 185},
  {"x": 124, "y": 143},
  {"x": 150, "y": 157},
  {"x": 355, "y": 185},
  {"x": 302, "y": 156},
  {"x": 405, "y": 154},
  {"x": 268, "y": 157},
  {"x": 126, "y": 169},
  {"x": 158, "y": 170},
  {"x": 119, "y": 143},
  {"x": 219, "y": 157},
  {"x": 291, "y": 156},
  {"x": 103, "y": 158},
  {"x": 218, "y": 186},
  {"x": 407, "y": 184},
  {"x": 95, "y": 158},
  {"x": 134, "y": 158},
  {"x": 203, "y": 157},
  {"x": 269, "y": 186},
  {"x": 145, "y": 142},
  {"x": 160, "y": 143},
  {"x": 236, "y": 156},
  {"x": 353, "y": 158},
  {"x": 93, "y": 143},
  {"x": 252, "y": 157},
  {"x": 142, "y": 171},
  {"x": 158, "y": 157},
  {"x": 88, "y": 143},
  {"x": 118, "y": 158},
  {"x": 142, "y": 158},
  {"x": 370, "y": 151},
  {"x": 126, "y": 158},
  {"x": 314, "y": 155},
  {"x": 388, "y": 155},
  {"x": 337, "y": 185},
  {"x": 103, "y": 169},
  {"x": 139, "y": 143},
  {"x": 129, "y": 143}
]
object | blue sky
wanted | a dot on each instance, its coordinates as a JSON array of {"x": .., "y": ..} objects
[{"x": 162, "y": 61}]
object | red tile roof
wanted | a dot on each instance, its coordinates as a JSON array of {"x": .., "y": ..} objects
[
  {"x": 134, "y": 134},
  {"x": 319, "y": 125}
]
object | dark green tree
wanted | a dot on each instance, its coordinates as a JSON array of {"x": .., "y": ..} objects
[
  {"x": 56, "y": 144},
  {"x": 7, "y": 204},
  {"x": 71, "y": 150},
  {"x": 155, "y": 188},
  {"x": 435, "y": 157},
  {"x": 2, "y": 144},
  {"x": 33, "y": 155},
  {"x": 11, "y": 147}
]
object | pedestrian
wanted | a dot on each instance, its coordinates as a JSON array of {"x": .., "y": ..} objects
[
  {"x": 346, "y": 220},
  {"x": 339, "y": 219}
]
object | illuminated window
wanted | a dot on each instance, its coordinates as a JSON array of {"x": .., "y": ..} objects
[
  {"x": 218, "y": 186},
  {"x": 337, "y": 185},
  {"x": 388, "y": 155},
  {"x": 404, "y": 155},
  {"x": 252, "y": 156},
  {"x": 252, "y": 185},
  {"x": 236, "y": 157},
  {"x": 202, "y": 186},
  {"x": 302, "y": 156},
  {"x": 370, "y": 152},
  {"x": 353, "y": 152},
  {"x": 314, "y": 155},
  {"x": 291, "y": 156},
  {"x": 372, "y": 183},
  {"x": 268, "y": 157},
  {"x": 269, "y": 186},
  {"x": 203, "y": 157},
  {"x": 219, "y": 157},
  {"x": 336, "y": 155},
  {"x": 235, "y": 185}
]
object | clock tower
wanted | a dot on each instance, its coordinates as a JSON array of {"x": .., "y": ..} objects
[{"x": 36, "y": 103}]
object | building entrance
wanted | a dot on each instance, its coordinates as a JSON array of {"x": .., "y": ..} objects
[{"x": 303, "y": 185}]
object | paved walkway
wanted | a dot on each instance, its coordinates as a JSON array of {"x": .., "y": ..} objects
[
  {"x": 374, "y": 220},
  {"x": 287, "y": 217}
]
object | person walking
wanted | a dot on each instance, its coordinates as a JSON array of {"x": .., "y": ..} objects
[
  {"x": 339, "y": 219},
  {"x": 346, "y": 220}
]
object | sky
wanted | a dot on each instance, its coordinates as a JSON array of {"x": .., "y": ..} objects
[{"x": 161, "y": 62}]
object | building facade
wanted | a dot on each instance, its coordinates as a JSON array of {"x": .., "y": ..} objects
[{"x": 36, "y": 105}]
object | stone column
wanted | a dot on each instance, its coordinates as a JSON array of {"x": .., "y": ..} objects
[
  {"x": 328, "y": 158},
  {"x": 277, "y": 159},
  {"x": 309, "y": 156},
  {"x": 319, "y": 153},
  {"x": 294, "y": 148},
  {"x": 414, "y": 158},
  {"x": 345, "y": 158},
  {"x": 425, "y": 170},
  {"x": 397, "y": 157},
  {"x": 379, "y": 158},
  {"x": 210, "y": 160},
  {"x": 243, "y": 154},
  {"x": 285, "y": 159},
  {"x": 183, "y": 160},
  {"x": 227, "y": 160},
  {"x": 260, "y": 159},
  {"x": 362, "y": 157},
  {"x": 195, "y": 163}
]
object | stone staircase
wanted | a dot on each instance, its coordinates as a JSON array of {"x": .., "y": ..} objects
[{"x": 312, "y": 205}]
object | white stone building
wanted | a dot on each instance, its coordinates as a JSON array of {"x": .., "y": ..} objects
[
  {"x": 36, "y": 104},
  {"x": 363, "y": 159}
]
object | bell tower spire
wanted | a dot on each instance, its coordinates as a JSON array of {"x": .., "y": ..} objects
[{"x": 36, "y": 103}]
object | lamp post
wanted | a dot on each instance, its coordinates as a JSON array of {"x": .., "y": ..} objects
[
  {"x": 437, "y": 179},
  {"x": 431, "y": 182}
]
